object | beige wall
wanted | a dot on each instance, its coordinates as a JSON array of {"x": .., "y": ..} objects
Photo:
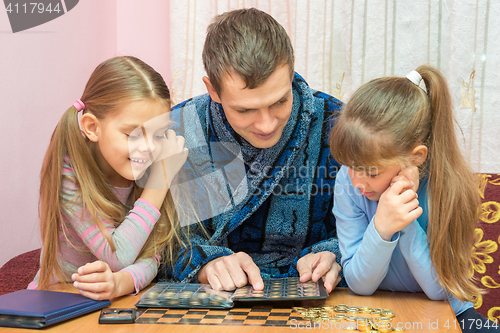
[{"x": 42, "y": 71}]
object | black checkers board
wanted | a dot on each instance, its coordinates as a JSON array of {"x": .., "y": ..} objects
[
  {"x": 244, "y": 316},
  {"x": 191, "y": 295}
]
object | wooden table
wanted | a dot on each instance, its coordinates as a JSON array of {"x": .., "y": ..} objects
[{"x": 414, "y": 311}]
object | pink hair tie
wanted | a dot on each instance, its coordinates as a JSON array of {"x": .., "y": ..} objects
[{"x": 79, "y": 105}]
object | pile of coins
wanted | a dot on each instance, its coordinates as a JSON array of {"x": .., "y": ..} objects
[{"x": 362, "y": 318}]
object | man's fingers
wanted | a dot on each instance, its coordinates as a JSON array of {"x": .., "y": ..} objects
[
  {"x": 326, "y": 260},
  {"x": 231, "y": 272},
  {"x": 221, "y": 272},
  {"x": 253, "y": 274},
  {"x": 332, "y": 278},
  {"x": 304, "y": 268},
  {"x": 214, "y": 282},
  {"x": 236, "y": 272}
]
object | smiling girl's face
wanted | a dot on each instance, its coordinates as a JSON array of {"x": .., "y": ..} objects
[{"x": 123, "y": 153}]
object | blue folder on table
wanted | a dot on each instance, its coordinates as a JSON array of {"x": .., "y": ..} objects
[{"x": 40, "y": 308}]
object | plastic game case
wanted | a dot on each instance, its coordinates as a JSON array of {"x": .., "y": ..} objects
[
  {"x": 117, "y": 316},
  {"x": 192, "y": 295}
]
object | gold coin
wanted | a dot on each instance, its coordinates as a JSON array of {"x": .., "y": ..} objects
[
  {"x": 363, "y": 327},
  {"x": 194, "y": 301},
  {"x": 398, "y": 329},
  {"x": 384, "y": 330},
  {"x": 168, "y": 294},
  {"x": 387, "y": 313},
  {"x": 219, "y": 298},
  {"x": 385, "y": 325}
]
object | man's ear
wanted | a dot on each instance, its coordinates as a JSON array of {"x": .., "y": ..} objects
[
  {"x": 419, "y": 155},
  {"x": 90, "y": 126},
  {"x": 211, "y": 90}
]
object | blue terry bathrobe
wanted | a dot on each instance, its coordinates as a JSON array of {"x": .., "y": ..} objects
[{"x": 283, "y": 210}]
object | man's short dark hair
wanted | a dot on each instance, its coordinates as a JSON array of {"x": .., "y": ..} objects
[{"x": 249, "y": 43}]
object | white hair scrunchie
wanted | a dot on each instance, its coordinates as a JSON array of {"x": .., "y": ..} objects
[{"x": 415, "y": 77}]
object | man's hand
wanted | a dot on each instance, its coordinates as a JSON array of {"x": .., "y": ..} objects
[
  {"x": 313, "y": 266},
  {"x": 231, "y": 272}
]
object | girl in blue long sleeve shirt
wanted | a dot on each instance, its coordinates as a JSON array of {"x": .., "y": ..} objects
[{"x": 405, "y": 199}]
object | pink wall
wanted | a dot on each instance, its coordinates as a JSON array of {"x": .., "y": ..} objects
[{"x": 42, "y": 71}]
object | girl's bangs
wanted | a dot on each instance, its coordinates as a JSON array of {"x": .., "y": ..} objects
[{"x": 356, "y": 146}]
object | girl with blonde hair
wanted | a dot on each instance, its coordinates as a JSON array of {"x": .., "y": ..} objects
[
  {"x": 405, "y": 201},
  {"x": 100, "y": 229}
]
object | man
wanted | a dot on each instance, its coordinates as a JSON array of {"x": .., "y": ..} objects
[{"x": 283, "y": 225}]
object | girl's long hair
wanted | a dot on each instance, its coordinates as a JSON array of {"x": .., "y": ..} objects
[
  {"x": 383, "y": 122},
  {"x": 113, "y": 83}
]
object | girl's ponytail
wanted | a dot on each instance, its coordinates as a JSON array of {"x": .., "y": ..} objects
[
  {"x": 453, "y": 194},
  {"x": 49, "y": 210},
  {"x": 67, "y": 140}
]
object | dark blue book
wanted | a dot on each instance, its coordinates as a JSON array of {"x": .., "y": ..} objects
[{"x": 41, "y": 308}]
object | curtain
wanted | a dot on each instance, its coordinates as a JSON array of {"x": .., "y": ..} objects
[{"x": 341, "y": 44}]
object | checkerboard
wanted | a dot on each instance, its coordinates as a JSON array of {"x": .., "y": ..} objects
[{"x": 249, "y": 316}]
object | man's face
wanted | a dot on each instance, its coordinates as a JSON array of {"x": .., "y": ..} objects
[{"x": 260, "y": 114}]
